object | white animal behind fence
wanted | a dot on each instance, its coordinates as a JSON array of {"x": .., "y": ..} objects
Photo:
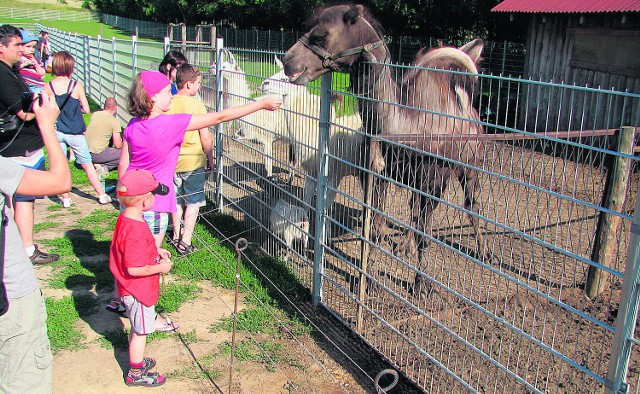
[
  {"x": 289, "y": 223},
  {"x": 302, "y": 112},
  {"x": 264, "y": 127}
]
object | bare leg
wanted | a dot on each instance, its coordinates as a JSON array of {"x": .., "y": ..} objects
[
  {"x": 176, "y": 219},
  {"x": 23, "y": 215},
  {"x": 137, "y": 344},
  {"x": 93, "y": 177},
  {"x": 190, "y": 218}
]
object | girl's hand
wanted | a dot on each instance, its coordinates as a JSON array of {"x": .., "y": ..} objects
[
  {"x": 270, "y": 103},
  {"x": 164, "y": 253},
  {"x": 47, "y": 112},
  {"x": 165, "y": 265}
]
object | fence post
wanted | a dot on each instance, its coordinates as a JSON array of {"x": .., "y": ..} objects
[
  {"x": 169, "y": 34},
  {"x": 113, "y": 64},
  {"x": 167, "y": 44},
  {"x": 87, "y": 61},
  {"x": 504, "y": 58},
  {"x": 218, "y": 128},
  {"x": 212, "y": 52},
  {"x": 134, "y": 55},
  {"x": 183, "y": 30},
  {"x": 609, "y": 224},
  {"x": 100, "y": 92},
  {"x": 321, "y": 187},
  {"x": 627, "y": 313}
]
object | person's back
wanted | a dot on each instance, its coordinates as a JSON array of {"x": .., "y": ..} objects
[
  {"x": 72, "y": 101},
  {"x": 102, "y": 130}
]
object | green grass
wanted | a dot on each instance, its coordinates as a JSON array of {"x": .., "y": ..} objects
[
  {"x": 61, "y": 324},
  {"x": 92, "y": 29},
  {"x": 43, "y": 226}
]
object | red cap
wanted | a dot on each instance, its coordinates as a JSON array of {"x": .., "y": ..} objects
[{"x": 139, "y": 182}]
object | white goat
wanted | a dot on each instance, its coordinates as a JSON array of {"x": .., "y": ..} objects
[
  {"x": 264, "y": 127},
  {"x": 302, "y": 112},
  {"x": 289, "y": 223}
]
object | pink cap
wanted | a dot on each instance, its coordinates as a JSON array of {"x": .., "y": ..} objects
[
  {"x": 153, "y": 82},
  {"x": 139, "y": 182}
]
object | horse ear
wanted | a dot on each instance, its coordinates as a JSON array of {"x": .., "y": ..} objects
[
  {"x": 473, "y": 49},
  {"x": 354, "y": 13},
  {"x": 279, "y": 62}
]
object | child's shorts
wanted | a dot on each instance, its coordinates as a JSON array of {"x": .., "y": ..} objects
[
  {"x": 157, "y": 221},
  {"x": 190, "y": 187},
  {"x": 143, "y": 318},
  {"x": 78, "y": 145}
]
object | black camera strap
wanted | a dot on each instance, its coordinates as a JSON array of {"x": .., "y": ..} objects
[{"x": 4, "y": 300}]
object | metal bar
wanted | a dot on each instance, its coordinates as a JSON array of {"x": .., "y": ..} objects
[
  {"x": 219, "y": 127},
  {"x": 321, "y": 187},
  {"x": 627, "y": 314}
]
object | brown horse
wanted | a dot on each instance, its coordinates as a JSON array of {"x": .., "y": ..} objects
[{"x": 424, "y": 103}]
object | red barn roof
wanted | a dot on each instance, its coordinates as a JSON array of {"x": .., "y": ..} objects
[{"x": 567, "y": 6}]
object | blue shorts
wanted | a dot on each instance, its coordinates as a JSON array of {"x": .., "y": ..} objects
[
  {"x": 157, "y": 221},
  {"x": 78, "y": 145},
  {"x": 21, "y": 198},
  {"x": 190, "y": 187}
]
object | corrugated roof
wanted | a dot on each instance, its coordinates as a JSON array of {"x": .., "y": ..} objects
[{"x": 568, "y": 6}]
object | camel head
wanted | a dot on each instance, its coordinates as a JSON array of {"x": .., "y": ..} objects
[{"x": 340, "y": 36}]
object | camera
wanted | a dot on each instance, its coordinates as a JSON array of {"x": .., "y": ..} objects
[{"x": 27, "y": 101}]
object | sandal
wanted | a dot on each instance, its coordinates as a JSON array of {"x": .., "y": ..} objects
[
  {"x": 148, "y": 363},
  {"x": 167, "y": 326},
  {"x": 150, "y": 379},
  {"x": 184, "y": 248},
  {"x": 115, "y": 306}
]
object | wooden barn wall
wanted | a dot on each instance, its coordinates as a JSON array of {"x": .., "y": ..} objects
[{"x": 551, "y": 42}]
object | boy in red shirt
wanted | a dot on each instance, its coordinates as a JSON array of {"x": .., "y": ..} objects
[{"x": 136, "y": 264}]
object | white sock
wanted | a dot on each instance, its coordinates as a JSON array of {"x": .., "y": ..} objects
[{"x": 30, "y": 250}]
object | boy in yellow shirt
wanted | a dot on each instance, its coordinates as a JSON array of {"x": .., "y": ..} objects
[{"x": 196, "y": 155}]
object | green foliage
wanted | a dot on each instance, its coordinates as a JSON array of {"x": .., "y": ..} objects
[{"x": 61, "y": 329}]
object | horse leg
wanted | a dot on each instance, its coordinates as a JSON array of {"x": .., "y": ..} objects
[
  {"x": 470, "y": 184},
  {"x": 434, "y": 183}
]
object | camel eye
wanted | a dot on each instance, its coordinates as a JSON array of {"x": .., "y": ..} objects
[{"x": 319, "y": 40}]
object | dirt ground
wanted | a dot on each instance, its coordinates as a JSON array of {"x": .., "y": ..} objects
[{"x": 191, "y": 356}]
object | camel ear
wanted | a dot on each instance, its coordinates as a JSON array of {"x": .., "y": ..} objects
[
  {"x": 352, "y": 16},
  {"x": 473, "y": 49},
  {"x": 279, "y": 63}
]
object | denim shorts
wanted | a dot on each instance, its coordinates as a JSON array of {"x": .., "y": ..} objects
[
  {"x": 190, "y": 187},
  {"x": 21, "y": 198},
  {"x": 78, "y": 145},
  {"x": 157, "y": 221}
]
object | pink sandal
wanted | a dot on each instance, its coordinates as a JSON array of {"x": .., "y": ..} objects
[{"x": 167, "y": 326}]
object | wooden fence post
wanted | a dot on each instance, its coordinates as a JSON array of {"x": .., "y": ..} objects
[
  {"x": 609, "y": 225},
  {"x": 183, "y": 27}
]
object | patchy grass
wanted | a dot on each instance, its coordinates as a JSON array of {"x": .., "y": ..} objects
[{"x": 61, "y": 321}]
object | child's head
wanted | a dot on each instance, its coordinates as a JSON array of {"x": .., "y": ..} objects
[
  {"x": 171, "y": 61},
  {"x": 149, "y": 89},
  {"x": 188, "y": 78},
  {"x": 29, "y": 42},
  {"x": 62, "y": 64},
  {"x": 138, "y": 187}
]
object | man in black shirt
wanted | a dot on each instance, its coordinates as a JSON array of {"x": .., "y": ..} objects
[{"x": 23, "y": 143}]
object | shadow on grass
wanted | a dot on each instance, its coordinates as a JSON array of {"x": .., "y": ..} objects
[
  {"x": 340, "y": 342},
  {"x": 91, "y": 292}
]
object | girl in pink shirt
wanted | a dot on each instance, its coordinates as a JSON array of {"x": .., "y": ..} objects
[{"x": 152, "y": 139}]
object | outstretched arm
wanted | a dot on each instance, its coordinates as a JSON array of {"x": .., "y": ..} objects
[
  {"x": 58, "y": 179},
  {"x": 214, "y": 118}
]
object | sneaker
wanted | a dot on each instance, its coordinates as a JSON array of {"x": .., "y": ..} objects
[
  {"x": 39, "y": 257},
  {"x": 66, "y": 202},
  {"x": 144, "y": 378},
  {"x": 104, "y": 199}
]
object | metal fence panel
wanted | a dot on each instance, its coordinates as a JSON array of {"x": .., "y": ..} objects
[{"x": 505, "y": 306}]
